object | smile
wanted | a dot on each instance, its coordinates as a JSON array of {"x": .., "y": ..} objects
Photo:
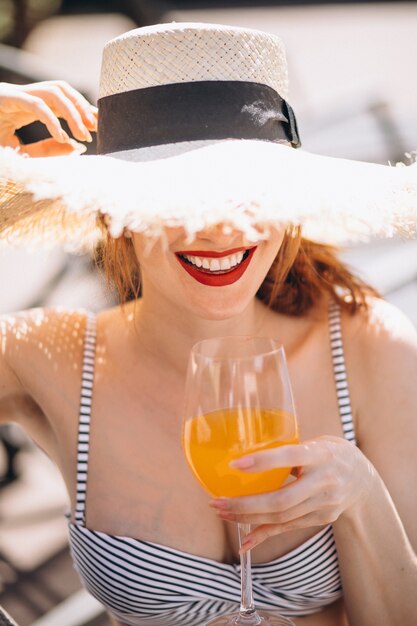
[{"x": 216, "y": 269}]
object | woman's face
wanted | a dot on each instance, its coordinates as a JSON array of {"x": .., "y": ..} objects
[{"x": 215, "y": 277}]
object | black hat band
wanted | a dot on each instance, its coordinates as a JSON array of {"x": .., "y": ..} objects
[{"x": 193, "y": 111}]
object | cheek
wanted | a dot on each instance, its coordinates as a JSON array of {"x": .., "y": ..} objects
[
  {"x": 153, "y": 261},
  {"x": 161, "y": 273}
]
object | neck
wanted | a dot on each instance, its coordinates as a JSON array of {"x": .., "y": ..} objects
[{"x": 168, "y": 332}]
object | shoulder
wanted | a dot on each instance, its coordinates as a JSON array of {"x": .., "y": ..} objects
[
  {"x": 39, "y": 341},
  {"x": 381, "y": 337},
  {"x": 42, "y": 351},
  {"x": 39, "y": 318},
  {"x": 49, "y": 323},
  {"x": 383, "y": 320},
  {"x": 381, "y": 353}
]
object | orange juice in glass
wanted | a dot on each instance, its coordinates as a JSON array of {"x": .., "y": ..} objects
[
  {"x": 212, "y": 440},
  {"x": 238, "y": 400}
]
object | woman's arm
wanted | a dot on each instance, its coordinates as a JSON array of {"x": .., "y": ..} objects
[
  {"x": 377, "y": 537},
  {"x": 20, "y": 335},
  {"x": 40, "y": 360},
  {"x": 11, "y": 388}
]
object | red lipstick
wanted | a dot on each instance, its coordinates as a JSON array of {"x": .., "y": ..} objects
[{"x": 216, "y": 279}]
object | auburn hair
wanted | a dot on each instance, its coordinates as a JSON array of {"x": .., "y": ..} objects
[{"x": 301, "y": 274}]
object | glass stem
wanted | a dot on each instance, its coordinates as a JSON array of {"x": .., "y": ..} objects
[{"x": 247, "y": 614}]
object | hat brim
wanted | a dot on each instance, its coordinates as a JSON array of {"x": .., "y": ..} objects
[{"x": 246, "y": 185}]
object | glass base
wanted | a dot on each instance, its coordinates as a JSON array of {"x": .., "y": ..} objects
[{"x": 257, "y": 619}]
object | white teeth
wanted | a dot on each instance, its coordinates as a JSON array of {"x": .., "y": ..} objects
[
  {"x": 225, "y": 264},
  {"x": 215, "y": 265}
]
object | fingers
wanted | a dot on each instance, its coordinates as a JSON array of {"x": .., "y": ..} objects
[
  {"x": 264, "y": 531},
  {"x": 331, "y": 481},
  {"x": 51, "y": 147},
  {"x": 61, "y": 106},
  {"x": 308, "y": 453},
  {"x": 68, "y": 103},
  {"x": 281, "y": 517},
  {"x": 319, "y": 513},
  {"x": 87, "y": 112},
  {"x": 281, "y": 500},
  {"x": 45, "y": 102},
  {"x": 41, "y": 111},
  {"x": 11, "y": 140}
]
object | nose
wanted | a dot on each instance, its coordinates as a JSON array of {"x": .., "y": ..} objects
[{"x": 221, "y": 235}]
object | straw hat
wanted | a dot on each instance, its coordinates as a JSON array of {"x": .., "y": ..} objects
[{"x": 195, "y": 129}]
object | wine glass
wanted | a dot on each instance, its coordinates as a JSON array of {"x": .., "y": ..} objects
[{"x": 238, "y": 400}]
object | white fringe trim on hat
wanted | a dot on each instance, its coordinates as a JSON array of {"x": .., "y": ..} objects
[{"x": 245, "y": 185}]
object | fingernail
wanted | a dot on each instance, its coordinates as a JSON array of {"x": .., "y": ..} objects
[
  {"x": 230, "y": 517},
  {"x": 243, "y": 463},
  {"x": 78, "y": 147},
  {"x": 88, "y": 136},
  {"x": 222, "y": 505},
  {"x": 91, "y": 118},
  {"x": 63, "y": 136}
]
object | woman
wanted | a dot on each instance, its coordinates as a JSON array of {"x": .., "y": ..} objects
[{"x": 143, "y": 537}]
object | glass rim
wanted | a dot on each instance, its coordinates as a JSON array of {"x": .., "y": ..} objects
[{"x": 278, "y": 349}]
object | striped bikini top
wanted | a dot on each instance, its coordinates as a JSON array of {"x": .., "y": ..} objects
[{"x": 141, "y": 582}]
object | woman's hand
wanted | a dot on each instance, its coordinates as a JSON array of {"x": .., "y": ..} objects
[
  {"x": 45, "y": 102},
  {"x": 334, "y": 476}
]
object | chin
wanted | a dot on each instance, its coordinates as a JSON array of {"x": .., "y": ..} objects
[{"x": 218, "y": 309}]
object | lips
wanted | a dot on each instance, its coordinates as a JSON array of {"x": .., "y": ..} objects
[{"x": 220, "y": 278}]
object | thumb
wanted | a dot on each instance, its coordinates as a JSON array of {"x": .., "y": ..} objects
[{"x": 51, "y": 147}]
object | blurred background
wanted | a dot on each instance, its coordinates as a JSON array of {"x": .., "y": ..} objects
[{"x": 354, "y": 90}]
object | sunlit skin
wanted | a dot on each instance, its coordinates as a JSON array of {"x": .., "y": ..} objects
[
  {"x": 165, "y": 280},
  {"x": 141, "y": 359}
]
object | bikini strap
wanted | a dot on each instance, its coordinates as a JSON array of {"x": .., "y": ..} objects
[
  {"x": 87, "y": 379},
  {"x": 339, "y": 370}
]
